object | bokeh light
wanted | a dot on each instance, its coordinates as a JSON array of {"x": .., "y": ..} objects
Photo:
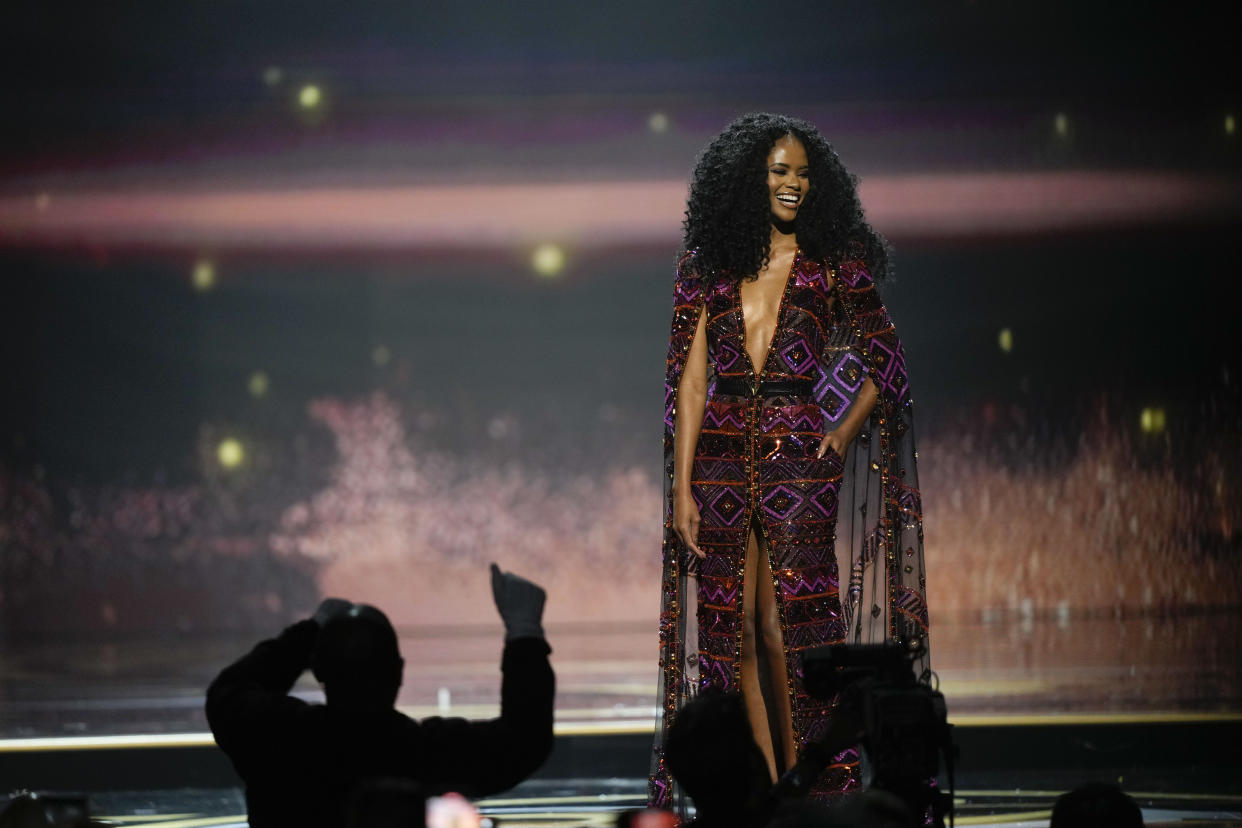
[
  {"x": 1061, "y": 124},
  {"x": 1231, "y": 124},
  {"x": 310, "y": 96},
  {"x": 258, "y": 384},
  {"x": 273, "y": 75},
  {"x": 1152, "y": 420},
  {"x": 43, "y": 201},
  {"x": 203, "y": 277},
  {"x": 658, "y": 122},
  {"x": 380, "y": 355},
  {"x": 548, "y": 260},
  {"x": 1004, "y": 340},
  {"x": 230, "y": 453}
]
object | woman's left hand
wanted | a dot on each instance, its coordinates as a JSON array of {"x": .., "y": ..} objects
[{"x": 835, "y": 440}]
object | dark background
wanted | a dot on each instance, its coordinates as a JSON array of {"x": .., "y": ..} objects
[{"x": 118, "y": 378}]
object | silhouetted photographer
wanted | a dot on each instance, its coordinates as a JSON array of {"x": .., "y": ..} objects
[
  {"x": 901, "y": 723},
  {"x": 300, "y": 761}
]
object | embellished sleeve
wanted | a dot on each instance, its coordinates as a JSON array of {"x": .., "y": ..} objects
[
  {"x": 678, "y": 623},
  {"x": 879, "y": 512}
]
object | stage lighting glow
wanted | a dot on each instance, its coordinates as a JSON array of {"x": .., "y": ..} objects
[
  {"x": 1061, "y": 124},
  {"x": 658, "y": 122},
  {"x": 1231, "y": 125},
  {"x": 310, "y": 96},
  {"x": 42, "y": 202},
  {"x": 258, "y": 384},
  {"x": 273, "y": 75},
  {"x": 1004, "y": 340},
  {"x": 203, "y": 276},
  {"x": 380, "y": 355},
  {"x": 230, "y": 453},
  {"x": 1152, "y": 420},
  {"x": 548, "y": 260}
]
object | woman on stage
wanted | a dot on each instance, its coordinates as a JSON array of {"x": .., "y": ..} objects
[{"x": 789, "y": 451}]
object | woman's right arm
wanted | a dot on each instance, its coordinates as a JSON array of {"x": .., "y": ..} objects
[{"x": 691, "y": 402}]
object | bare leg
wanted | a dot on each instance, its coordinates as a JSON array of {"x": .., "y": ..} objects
[
  {"x": 767, "y": 617},
  {"x": 752, "y": 691}
]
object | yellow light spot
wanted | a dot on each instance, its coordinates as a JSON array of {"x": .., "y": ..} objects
[
  {"x": 381, "y": 355},
  {"x": 204, "y": 275},
  {"x": 1061, "y": 124},
  {"x": 310, "y": 96},
  {"x": 548, "y": 260},
  {"x": 230, "y": 453},
  {"x": 1005, "y": 340},
  {"x": 1152, "y": 420},
  {"x": 658, "y": 122},
  {"x": 1231, "y": 124},
  {"x": 258, "y": 384},
  {"x": 273, "y": 75}
]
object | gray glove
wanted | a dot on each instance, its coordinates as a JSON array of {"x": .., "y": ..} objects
[{"x": 520, "y": 604}]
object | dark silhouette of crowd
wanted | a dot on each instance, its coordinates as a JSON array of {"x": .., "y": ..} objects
[
  {"x": 713, "y": 756},
  {"x": 355, "y": 760}
]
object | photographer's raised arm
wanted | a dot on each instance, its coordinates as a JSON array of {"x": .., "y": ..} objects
[
  {"x": 246, "y": 693},
  {"x": 482, "y": 758}
]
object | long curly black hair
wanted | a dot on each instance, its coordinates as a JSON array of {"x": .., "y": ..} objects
[{"x": 728, "y": 218}]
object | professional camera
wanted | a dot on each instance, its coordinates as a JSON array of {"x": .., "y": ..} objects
[{"x": 904, "y": 726}]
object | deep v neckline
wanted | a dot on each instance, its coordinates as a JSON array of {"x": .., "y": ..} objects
[{"x": 757, "y": 372}]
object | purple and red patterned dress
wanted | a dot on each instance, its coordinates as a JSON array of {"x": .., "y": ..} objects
[{"x": 756, "y": 463}]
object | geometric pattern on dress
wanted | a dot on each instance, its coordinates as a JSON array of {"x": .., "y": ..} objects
[
  {"x": 798, "y": 355},
  {"x": 724, "y": 418},
  {"x": 910, "y": 502},
  {"x": 813, "y": 277},
  {"x": 850, "y": 371},
  {"x": 792, "y": 418},
  {"x": 890, "y": 368},
  {"x": 726, "y": 506},
  {"x": 726, "y": 355},
  {"x": 782, "y": 502},
  {"x": 836, "y": 405}
]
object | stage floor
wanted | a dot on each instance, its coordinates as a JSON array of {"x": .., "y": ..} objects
[
  {"x": 1040, "y": 705},
  {"x": 606, "y": 675}
]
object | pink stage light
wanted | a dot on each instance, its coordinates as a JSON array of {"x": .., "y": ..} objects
[{"x": 587, "y": 214}]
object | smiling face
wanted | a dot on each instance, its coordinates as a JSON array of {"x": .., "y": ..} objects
[{"x": 788, "y": 178}]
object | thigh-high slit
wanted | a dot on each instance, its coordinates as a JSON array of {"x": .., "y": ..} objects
[{"x": 764, "y": 677}]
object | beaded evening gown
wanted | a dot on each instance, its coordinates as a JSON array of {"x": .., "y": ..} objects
[{"x": 755, "y": 463}]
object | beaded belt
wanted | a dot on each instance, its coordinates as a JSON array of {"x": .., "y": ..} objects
[{"x": 741, "y": 387}]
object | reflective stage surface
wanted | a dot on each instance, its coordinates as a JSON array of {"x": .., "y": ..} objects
[
  {"x": 1041, "y": 705},
  {"x": 606, "y": 674}
]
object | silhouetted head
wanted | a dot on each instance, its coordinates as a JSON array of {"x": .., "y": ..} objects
[
  {"x": 872, "y": 809},
  {"x": 712, "y": 754},
  {"x": 357, "y": 660},
  {"x": 1096, "y": 805}
]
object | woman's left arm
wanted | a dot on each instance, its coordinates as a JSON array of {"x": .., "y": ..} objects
[{"x": 839, "y": 439}]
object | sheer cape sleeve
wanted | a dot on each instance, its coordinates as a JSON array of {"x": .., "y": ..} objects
[
  {"x": 679, "y": 662},
  {"x": 879, "y": 510}
]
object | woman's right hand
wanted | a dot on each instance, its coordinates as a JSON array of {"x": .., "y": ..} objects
[{"x": 686, "y": 522}]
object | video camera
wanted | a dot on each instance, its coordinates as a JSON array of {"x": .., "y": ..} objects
[{"x": 903, "y": 721}]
